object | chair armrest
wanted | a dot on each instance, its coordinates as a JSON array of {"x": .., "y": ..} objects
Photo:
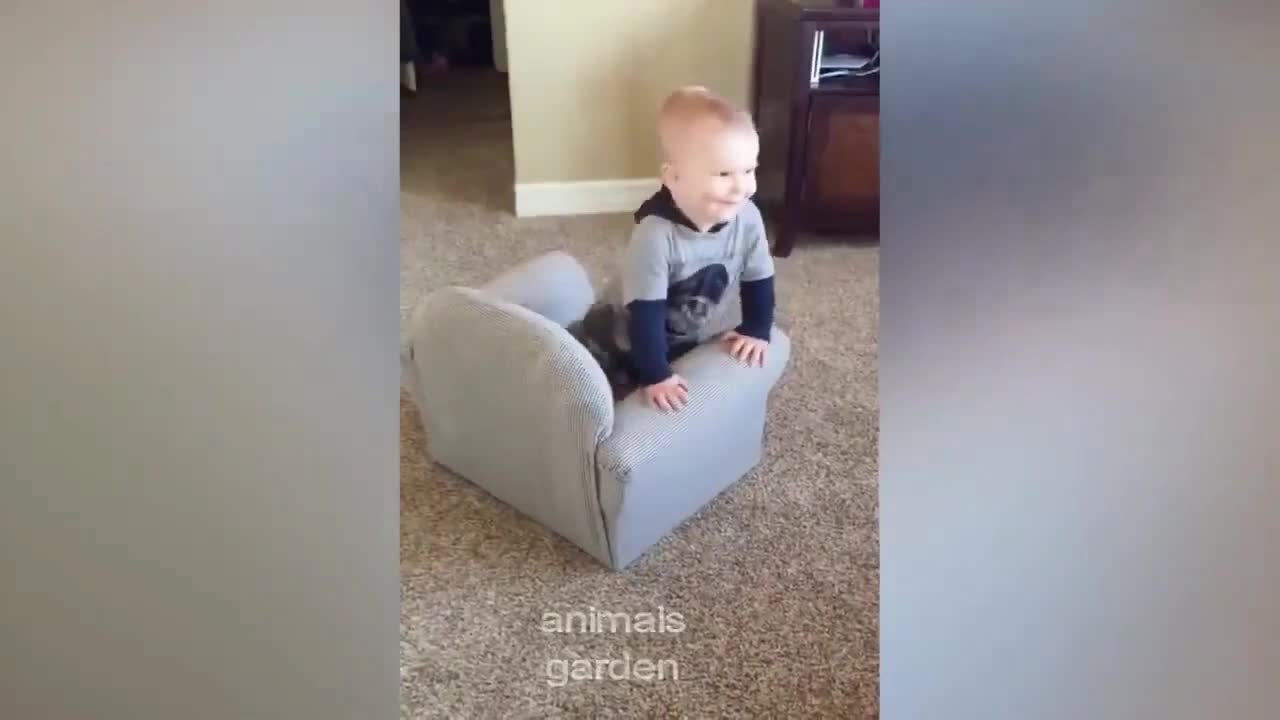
[
  {"x": 719, "y": 386},
  {"x": 711, "y": 367},
  {"x": 553, "y": 285},
  {"x": 512, "y": 402}
]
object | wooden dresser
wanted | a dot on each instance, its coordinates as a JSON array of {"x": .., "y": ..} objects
[{"x": 818, "y": 111}]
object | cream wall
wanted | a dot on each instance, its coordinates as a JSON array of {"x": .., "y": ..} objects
[{"x": 586, "y": 77}]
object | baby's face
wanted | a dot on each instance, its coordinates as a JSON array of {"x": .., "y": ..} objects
[{"x": 716, "y": 175}]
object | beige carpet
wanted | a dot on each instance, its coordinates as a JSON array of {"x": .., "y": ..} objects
[{"x": 775, "y": 582}]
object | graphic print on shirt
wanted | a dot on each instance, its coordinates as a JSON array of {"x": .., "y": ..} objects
[{"x": 691, "y": 301}]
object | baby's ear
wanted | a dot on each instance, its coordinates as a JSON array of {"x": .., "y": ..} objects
[{"x": 666, "y": 172}]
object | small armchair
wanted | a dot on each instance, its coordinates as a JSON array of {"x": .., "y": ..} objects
[{"x": 513, "y": 403}]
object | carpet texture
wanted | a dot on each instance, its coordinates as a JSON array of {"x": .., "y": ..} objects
[{"x": 769, "y": 597}]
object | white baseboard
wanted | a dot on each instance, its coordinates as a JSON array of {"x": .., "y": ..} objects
[{"x": 585, "y": 197}]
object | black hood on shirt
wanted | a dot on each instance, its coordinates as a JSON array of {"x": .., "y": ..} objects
[{"x": 662, "y": 205}]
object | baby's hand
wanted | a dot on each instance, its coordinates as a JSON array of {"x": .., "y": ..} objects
[
  {"x": 745, "y": 348},
  {"x": 670, "y": 394}
]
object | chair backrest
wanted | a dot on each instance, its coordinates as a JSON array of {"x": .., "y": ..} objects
[{"x": 553, "y": 285}]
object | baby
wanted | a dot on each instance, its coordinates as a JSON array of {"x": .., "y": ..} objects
[{"x": 696, "y": 240}]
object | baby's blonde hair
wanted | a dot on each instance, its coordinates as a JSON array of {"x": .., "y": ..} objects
[{"x": 687, "y": 108}]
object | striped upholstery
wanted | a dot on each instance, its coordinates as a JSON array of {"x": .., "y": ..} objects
[
  {"x": 656, "y": 468},
  {"x": 511, "y": 402}
]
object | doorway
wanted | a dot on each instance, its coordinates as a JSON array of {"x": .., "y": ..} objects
[{"x": 455, "y": 110}]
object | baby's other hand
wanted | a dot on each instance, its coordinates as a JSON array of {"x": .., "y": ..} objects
[
  {"x": 745, "y": 348},
  {"x": 670, "y": 394}
]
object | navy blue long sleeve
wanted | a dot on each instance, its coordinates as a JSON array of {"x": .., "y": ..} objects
[
  {"x": 757, "y": 308},
  {"x": 647, "y": 329}
]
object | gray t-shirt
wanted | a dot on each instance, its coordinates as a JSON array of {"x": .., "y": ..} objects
[{"x": 697, "y": 274}]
